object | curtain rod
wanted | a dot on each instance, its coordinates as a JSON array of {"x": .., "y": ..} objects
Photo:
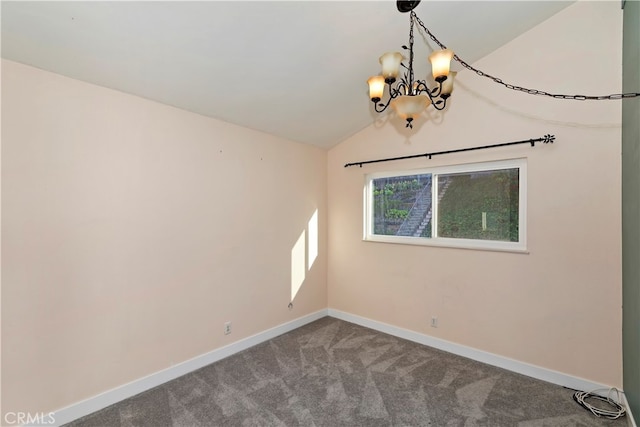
[{"x": 545, "y": 139}]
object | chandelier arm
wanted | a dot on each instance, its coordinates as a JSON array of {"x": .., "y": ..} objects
[
  {"x": 521, "y": 88},
  {"x": 439, "y": 104},
  {"x": 379, "y": 107},
  {"x": 402, "y": 88},
  {"x": 436, "y": 91},
  {"x": 396, "y": 92},
  {"x": 421, "y": 87}
]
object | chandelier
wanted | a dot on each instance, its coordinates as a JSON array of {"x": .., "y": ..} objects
[{"x": 409, "y": 96}]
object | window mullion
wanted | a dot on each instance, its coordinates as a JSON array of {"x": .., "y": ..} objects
[{"x": 434, "y": 205}]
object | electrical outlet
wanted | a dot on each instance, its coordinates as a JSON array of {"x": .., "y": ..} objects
[
  {"x": 227, "y": 328},
  {"x": 434, "y": 322}
]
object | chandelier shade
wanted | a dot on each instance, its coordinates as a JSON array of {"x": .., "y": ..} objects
[
  {"x": 447, "y": 85},
  {"x": 391, "y": 62},
  {"x": 409, "y": 106},
  {"x": 440, "y": 64},
  {"x": 376, "y": 87}
]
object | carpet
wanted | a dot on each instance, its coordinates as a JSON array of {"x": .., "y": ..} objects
[{"x": 334, "y": 373}]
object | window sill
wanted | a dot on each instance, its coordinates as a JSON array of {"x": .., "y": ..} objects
[{"x": 478, "y": 245}]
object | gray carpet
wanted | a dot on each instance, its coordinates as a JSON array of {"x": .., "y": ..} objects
[{"x": 334, "y": 373}]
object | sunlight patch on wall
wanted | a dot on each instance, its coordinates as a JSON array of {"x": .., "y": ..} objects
[
  {"x": 298, "y": 270},
  {"x": 312, "y": 228},
  {"x": 305, "y": 249}
]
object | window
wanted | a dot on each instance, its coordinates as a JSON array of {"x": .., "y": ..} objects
[{"x": 478, "y": 205}]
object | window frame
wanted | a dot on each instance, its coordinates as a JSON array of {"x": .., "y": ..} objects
[{"x": 435, "y": 240}]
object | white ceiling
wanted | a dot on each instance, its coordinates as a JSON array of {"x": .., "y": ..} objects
[{"x": 295, "y": 69}]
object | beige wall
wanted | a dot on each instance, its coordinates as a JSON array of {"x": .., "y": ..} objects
[
  {"x": 131, "y": 231},
  {"x": 559, "y": 306}
]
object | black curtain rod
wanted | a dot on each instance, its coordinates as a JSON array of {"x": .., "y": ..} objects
[{"x": 545, "y": 139}]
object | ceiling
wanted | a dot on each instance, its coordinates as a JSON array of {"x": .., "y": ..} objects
[{"x": 295, "y": 69}]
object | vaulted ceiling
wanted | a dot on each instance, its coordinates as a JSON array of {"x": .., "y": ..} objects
[{"x": 295, "y": 69}]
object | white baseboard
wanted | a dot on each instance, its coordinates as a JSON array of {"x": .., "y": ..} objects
[
  {"x": 523, "y": 368},
  {"x": 101, "y": 401}
]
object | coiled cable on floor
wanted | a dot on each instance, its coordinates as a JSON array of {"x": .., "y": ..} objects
[{"x": 614, "y": 413}]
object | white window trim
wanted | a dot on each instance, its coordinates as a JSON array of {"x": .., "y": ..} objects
[{"x": 490, "y": 245}]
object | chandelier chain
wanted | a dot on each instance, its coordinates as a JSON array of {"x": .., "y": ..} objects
[
  {"x": 520, "y": 88},
  {"x": 411, "y": 21}
]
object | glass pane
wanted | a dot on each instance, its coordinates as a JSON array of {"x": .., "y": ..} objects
[
  {"x": 479, "y": 205},
  {"x": 402, "y": 206}
]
